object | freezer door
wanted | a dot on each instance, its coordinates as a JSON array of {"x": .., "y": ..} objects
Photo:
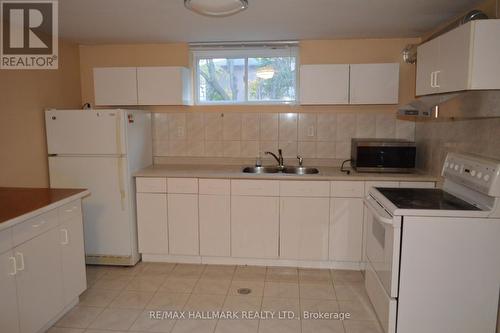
[
  {"x": 106, "y": 211},
  {"x": 85, "y": 132}
]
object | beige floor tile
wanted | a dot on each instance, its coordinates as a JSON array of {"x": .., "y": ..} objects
[
  {"x": 249, "y": 273},
  {"x": 212, "y": 287},
  {"x": 178, "y": 285},
  {"x": 281, "y": 289},
  {"x": 280, "y": 304},
  {"x": 204, "y": 302},
  {"x": 359, "y": 310},
  {"x": 242, "y": 303},
  {"x": 194, "y": 326},
  {"x": 146, "y": 323},
  {"x": 237, "y": 326},
  {"x": 167, "y": 301},
  {"x": 115, "y": 319},
  {"x": 317, "y": 291},
  {"x": 279, "y": 326},
  {"x": 65, "y": 330},
  {"x": 112, "y": 282},
  {"x": 257, "y": 287},
  {"x": 346, "y": 277},
  {"x": 314, "y": 276},
  {"x": 319, "y": 305},
  {"x": 322, "y": 326},
  {"x": 353, "y": 326},
  {"x": 158, "y": 268},
  {"x": 218, "y": 272},
  {"x": 282, "y": 274},
  {"x": 145, "y": 283},
  {"x": 351, "y": 292},
  {"x": 79, "y": 317},
  {"x": 98, "y": 297},
  {"x": 192, "y": 271},
  {"x": 132, "y": 300},
  {"x": 104, "y": 331}
]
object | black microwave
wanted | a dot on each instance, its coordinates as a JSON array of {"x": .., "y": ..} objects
[{"x": 383, "y": 155}]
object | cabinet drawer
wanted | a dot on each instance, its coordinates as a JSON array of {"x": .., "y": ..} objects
[
  {"x": 34, "y": 227},
  {"x": 215, "y": 186},
  {"x": 5, "y": 240},
  {"x": 417, "y": 184},
  {"x": 151, "y": 185},
  {"x": 255, "y": 187},
  {"x": 347, "y": 189},
  {"x": 70, "y": 210},
  {"x": 182, "y": 185},
  {"x": 304, "y": 189}
]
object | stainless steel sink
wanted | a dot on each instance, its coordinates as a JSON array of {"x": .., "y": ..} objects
[
  {"x": 300, "y": 170},
  {"x": 261, "y": 169}
]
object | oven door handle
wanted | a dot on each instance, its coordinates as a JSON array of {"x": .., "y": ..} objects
[{"x": 379, "y": 213}]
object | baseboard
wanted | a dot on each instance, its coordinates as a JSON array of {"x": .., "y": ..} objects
[
  {"x": 54, "y": 320},
  {"x": 251, "y": 261},
  {"x": 111, "y": 260}
]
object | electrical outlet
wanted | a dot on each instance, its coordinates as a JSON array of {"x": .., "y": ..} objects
[
  {"x": 180, "y": 132},
  {"x": 310, "y": 131}
]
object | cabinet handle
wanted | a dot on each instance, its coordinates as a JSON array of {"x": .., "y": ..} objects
[
  {"x": 64, "y": 232},
  {"x": 42, "y": 222},
  {"x": 14, "y": 266},
  {"x": 21, "y": 260},
  {"x": 432, "y": 80},
  {"x": 436, "y": 84}
]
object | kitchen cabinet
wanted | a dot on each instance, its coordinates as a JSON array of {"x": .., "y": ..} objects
[
  {"x": 9, "y": 319},
  {"x": 115, "y": 86},
  {"x": 163, "y": 86},
  {"x": 346, "y": 229},
  {"x": 215, "y": 217},
  {"x": 324, "y": 84},
  {"x": 304, "y": 228},
  {"x": 464, "y": 58},
  {"x": 152, "y": 227},
  {"x": 39, "y": 280},
  {"x": 374, "y": 83},
  {"x": 183, "y": 224}
]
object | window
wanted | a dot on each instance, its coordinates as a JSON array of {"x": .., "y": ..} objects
[{"x": 247, "y": 76}]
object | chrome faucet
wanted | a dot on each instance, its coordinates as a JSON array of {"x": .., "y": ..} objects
[{"x": 278, "y": 158}]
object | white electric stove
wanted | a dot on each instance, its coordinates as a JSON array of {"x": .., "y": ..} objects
[{"x": 434, "y": 254}]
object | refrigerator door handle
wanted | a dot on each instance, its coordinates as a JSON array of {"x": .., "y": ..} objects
[{"x": 121, "y": 185}]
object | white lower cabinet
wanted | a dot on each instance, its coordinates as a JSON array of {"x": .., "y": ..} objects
[
  {"x": 215, "y": 225},
  {"x": 39, "y": 280},
  {"x": 304, "y": 228},
  {"x": 183, "y": 224},
  {"x": 9, "y": 319},
  {"x": 152, "y": 223},
  {"x": 254, "y": 226},
  {"x": 346, "y": 229}
]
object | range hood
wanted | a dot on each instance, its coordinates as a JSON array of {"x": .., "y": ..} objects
[{"x": 468, "y": 104}]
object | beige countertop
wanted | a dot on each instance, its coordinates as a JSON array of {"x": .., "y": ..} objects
[{"x": 235, "y": 172}]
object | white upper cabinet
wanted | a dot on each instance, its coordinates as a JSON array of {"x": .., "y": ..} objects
[
  {"x": 324, "y": 84},
  {"x": 115, "y": 86},
  {"x": 374, "y": 84},
  {"x": 465, "y": 58},
  {"x": 163, "y": 86}
]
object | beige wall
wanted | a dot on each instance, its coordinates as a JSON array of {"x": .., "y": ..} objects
[
  {"x": 23, "y": 96},
  {"x": 311, "y": 51}
]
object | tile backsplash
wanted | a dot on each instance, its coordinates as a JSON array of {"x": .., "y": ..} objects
[{"x": 234, "y": 134}]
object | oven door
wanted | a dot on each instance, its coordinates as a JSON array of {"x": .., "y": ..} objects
[{"x": 383, "y": 237}]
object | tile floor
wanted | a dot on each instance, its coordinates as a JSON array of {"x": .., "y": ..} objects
[{"x": 120, "y": 299}]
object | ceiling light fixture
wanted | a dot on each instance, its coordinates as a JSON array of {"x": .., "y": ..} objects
[{"x": 216, "y": 7}]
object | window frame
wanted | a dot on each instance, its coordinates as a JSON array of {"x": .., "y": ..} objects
[{"x": 244, "y": 53}]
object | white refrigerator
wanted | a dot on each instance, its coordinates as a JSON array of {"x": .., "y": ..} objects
[{"x": 100, "y": 150}]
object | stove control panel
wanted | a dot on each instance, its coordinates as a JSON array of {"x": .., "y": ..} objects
[{"x": 480, "y": 174}]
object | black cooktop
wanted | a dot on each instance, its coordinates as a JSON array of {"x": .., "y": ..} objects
[{"x": 424, "y": 198}]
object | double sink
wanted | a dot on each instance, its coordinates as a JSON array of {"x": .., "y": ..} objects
[{"x": 295, "y": 170}]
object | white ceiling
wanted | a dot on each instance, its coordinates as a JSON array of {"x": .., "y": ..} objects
[{"x": 118, "y": 21}]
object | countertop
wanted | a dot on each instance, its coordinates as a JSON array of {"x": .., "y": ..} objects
[
  {"x": 19, "y": 204},
  {"x": 235, "y": 172}
]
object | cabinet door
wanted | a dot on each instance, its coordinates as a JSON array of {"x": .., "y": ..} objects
[
  {"x": 162, "y": 85},
  {"x": 427, "y": 64},
  {"x": 374, "y": 84},
  {"x": 454, "y": 55},
  {"x": 152, "y": 223},
  {"x": 346, "y": 229},
  {"x": 115, "y": 86},
  {"x": 304, "y": 228},
  {"x": 73, "y": 258},
  {"x": 9, "y": 320},
  {"x": 254, "y": 226},
  {"x": 324, "y": 84},
  {"x": 183, "y": 224},
  {"x": 215, "y": 225},
  {"x": 39, "y": 280}
]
